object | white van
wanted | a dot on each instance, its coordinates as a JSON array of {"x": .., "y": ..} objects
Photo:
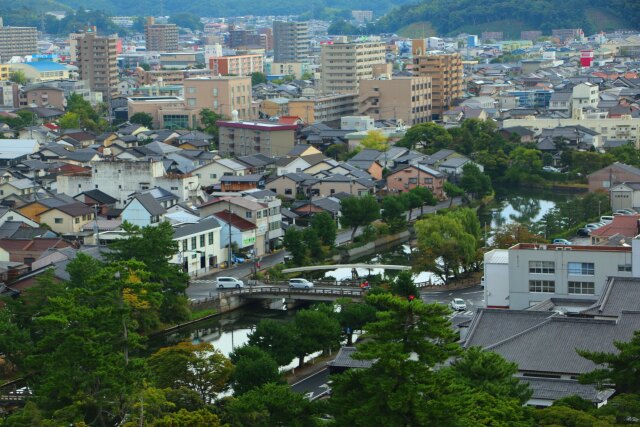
[
  {"x": 229, "y": 282},
  {"x": 607, "y": 219}
]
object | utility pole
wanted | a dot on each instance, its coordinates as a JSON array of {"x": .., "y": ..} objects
[{"x": 229, "y": 225}]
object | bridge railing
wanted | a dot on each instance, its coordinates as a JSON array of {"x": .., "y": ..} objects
[{"x": 279, "y": 290}]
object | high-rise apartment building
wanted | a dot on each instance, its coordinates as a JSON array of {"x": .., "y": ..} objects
[
  {"x": 160, "y": 37},
  {"x": 17, "y": 41},
  {"x": 344, "y": 64},
  {"x": 221, "y": 94},
  {"x": 445, "y": 71},
  {"x": 290, "y": 41},
  {"x": 97, "y": 61},
  {"x": 405, "y": 98}
]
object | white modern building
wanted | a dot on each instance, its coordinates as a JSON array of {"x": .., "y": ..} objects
[
  {"x": 527, "y": 274},
  {"x": 199, "y": 246}
]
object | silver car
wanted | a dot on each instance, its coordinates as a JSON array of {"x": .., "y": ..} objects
[
  {"x": 300, "y": 284},
  {"x": 458, "y": 304}
]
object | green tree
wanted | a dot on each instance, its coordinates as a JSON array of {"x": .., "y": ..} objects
[
  {"x": 426, "y": 135},
  {"x": 184, "y": 418},
  {"x": 443, "y": 238},
  {"x": 18, "y": 76},
  {"x": 404, "y": 286},
  {"x": 69, "y": 121},
  {"x": 276, "y": 338},
  {"x": 154, "y": 246},
  {"x": 325, "y": 227},
  {"x": 294, "y": 243},
  {"x": 569, "y": 417},
  {"x": 393, "y": 213},
  {"x": 513, "y": 233},
  {"x": 143, "y": 119},
  {"x": 475, "y": 182},
  {"x": 315, "y": 331},
  {"x": 254, "y": 367},
  {"x": 271, "y": 405},
  {"x": 208, "y": 121},
  {"x": 186, "y": 20},
  {"x": 257, "y": 77},
  {"x": 375, "y": 140},
  {"x": 404, "y": 344},
  {"x": 452, "y": 190},
  {"x": 358, "y": 211},
  {"x": 313, "y": 243},
  {"x": 198, "y": 367},
  {"x": 353, "y": 316}
]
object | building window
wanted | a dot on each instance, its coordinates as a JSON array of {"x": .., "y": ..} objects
[
  {"x": 211, "y": 238},
  {"x": 202, "y": 240},
  {"x": 580, "y": 268},
  {"x": 542, "y": 267},
  {"x": 248, "y": 214},
  {"x": 213, "y": 176},
  {"x": 624, "y": 267},
  {"x": 288, "y": 191},
  {"x": 191, "y": 102},
  {"x": 57, "y": 220},
  {"x": 582, "y": 288},
  {"x": 542, "y": 286},
  {"x": 185, "y": 245},
  {"x": 194, "y": 242},
  {"x": 76, "y": 220}
]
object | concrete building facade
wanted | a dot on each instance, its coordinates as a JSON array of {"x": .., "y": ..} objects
[
  {"x": 237, "y": 65},
  {"x": 243, "y": 138},
  {"x": 324, "y": 108},
  {"x": 344, "y": 64},
  {"x": 160, "y": 37},
  {"x": 97, "y": 59},
  {"x": 406, "y": 98},
  {"x": 221, "y": 94},
  {"x": 290, "y": 41},
  {"x": 17, "y": 41},
  {"x": 445, "y": 71}
]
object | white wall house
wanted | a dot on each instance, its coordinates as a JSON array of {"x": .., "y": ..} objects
[
  {"x": 119, "y": 179},
  {"x": 199, "y": 246}
]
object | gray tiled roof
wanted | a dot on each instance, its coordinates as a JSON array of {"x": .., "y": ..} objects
[
  {"x": 150, "y": 204},
  {"x": 556, "y": 388},
  {"x": 344, "y": 359},
  {"x": 619, "y": 294},
  {"x": 551, "y": 345},
  {"x": 208, "y": 223},
  {"x": 494, "y": 325}
]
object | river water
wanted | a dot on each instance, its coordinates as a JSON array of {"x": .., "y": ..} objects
[{"x": 231, "y": 330}]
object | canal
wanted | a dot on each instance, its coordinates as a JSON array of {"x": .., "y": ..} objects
[{"x": 231, "y": 330}]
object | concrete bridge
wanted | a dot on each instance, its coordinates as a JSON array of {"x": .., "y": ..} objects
[{"x": 272, "y": 292}]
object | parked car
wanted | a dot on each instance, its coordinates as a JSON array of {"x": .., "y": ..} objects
[
  {"x": 607, "y": 219},
  {"x": 561, "y": 242},
  {"x": 458, "y": 304},
  {"x": 624, "y": 212},
  {"x": 584, "y": 232},
  {"x": 300, "y": 283},
  {"x": 229, "y": 282},
  {"x": 550, "y": 169},
  {"x": 594, "y": 225},
  {"x": 237, "y": 259}
]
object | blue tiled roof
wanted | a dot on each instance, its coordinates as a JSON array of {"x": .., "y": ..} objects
[{"x": 47, "y": 66}]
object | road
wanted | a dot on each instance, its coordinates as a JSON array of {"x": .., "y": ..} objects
[
  {"x": 202, "y": 287},
  {"x": 474, "y": 297},
  {"x": 313, "y": 385}
]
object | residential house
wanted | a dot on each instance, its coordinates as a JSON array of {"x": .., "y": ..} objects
[
  {"x": 242, "y": 183},
  {"x": 10, "y": 215},
  {"x": 210, "y": 173},
  {"x": 143, "y": 210},
  {"x": 407, "y": 177},
  {"x": 27, "y": 251},
  {"x": 97, "y": 198},
  {"x": 622, "y": 226},
  {"x": 285, "y": 165},
  {"x": 291, "y": 184},
  {"x": 67, "y": 219},
  {"x": 238, "y": 230},
  {"x": 334, "y": 184},
  {"x": 453, "y": 167},
  {"x": 22, "y": 187},
  {"x": 625, "y": 196},
  {"x": 607, "y": 177},
  {"x": 199, "y": 246},
  {"x": 13, "y": 151},
  {"x": 308, "y": 208}
]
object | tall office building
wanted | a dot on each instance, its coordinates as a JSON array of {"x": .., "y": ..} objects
[
  {"x": 290, "y": 41},
  {"x": 17, "y": 41},
  {"x": 96, "y": 61},
  {"x": 344, "y": 64},
  {"x": 446, "y": 75},
  {"x": 160, "y": 37},
  {"x": 405, "y": 98}
]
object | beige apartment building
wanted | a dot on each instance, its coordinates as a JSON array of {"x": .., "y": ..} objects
[
  {"x": 160, "y": 37},
  {"x": 17, "y": 41},
  {"x": 167, "y": 77},
  {"x": 324, "y": 108},
  {"x": 221, "y": 94},
  {"x": 446, "y": 75},
  {"x": 345, "y": 63},
  {"x": 96, "y": 61},
  {"x": 243, "y": 138},
  {"x": 166, "y": 111},
  {"x": 405, "y": 98}
]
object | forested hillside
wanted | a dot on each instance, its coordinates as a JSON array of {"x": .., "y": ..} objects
[{"x": 512, "y": 16}]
